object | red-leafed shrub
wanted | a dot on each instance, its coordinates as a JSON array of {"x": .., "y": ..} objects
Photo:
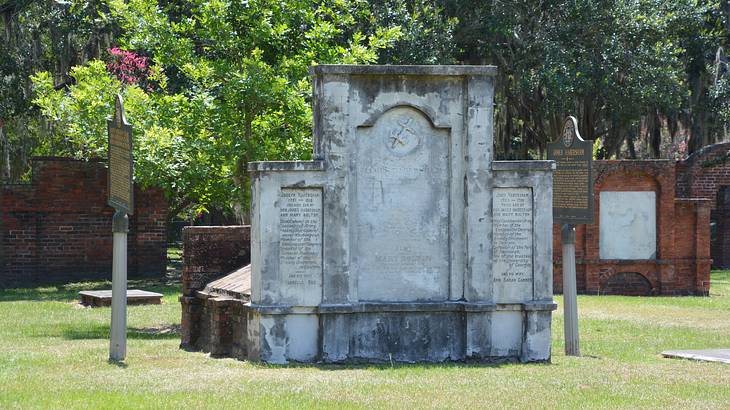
[{"x": 130, "y": 67}]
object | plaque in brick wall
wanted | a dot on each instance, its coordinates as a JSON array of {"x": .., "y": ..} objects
[
  {"x": 121, "y": 162},
  {"x": 572, "y": 180}
]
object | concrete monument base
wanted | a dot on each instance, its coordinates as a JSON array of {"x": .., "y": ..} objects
[
  {"x": 221, "y": 320},
  {"x": 399, "y": 332}
]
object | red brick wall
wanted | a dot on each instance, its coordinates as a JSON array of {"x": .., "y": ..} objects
[
  {"x": 58, "y": 227},
  {"x": 682, "y": 264},
  {"x": 212, "y": 251},
  {"x": 706, "y": 174}
]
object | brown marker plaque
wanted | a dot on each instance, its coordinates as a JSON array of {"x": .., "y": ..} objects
[
  {"x": 572, "y": 179},
  {"x": 121, "y": 161}
]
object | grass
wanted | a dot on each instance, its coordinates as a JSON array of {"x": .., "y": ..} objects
[{"x": 53, "y": 355}]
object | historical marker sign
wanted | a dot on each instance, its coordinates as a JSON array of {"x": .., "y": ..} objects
[
  {"x": 572, "y": 181},
  {"x": 121, "y": 168}
]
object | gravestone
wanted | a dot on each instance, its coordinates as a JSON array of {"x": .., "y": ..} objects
[
  {"x": 402, "y": 240},
  {"x": 98, "y": 298}
]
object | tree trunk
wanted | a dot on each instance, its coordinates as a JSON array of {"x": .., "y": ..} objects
[
  {"x": 8, "y": 22},
  {"x": 697, "y": 106},
  {"x": 630, "y": 145},
  {"x": 6, "y": 154},
  {"x": 243, "y": 181},
  {"x": 654, "y": 129}
]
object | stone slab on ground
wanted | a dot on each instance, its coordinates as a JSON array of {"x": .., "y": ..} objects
[
  {"x": 98, "y": 298},
  {"x": 707, "y": 355}
]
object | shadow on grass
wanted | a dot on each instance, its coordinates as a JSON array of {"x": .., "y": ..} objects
[
  {"x": 102, "y": 332},
  {"x": 494, "y": 363},
  {"x": 70, "y": 291},
  {"x": 118, "y": 363},
  {"x": 487, "y": 362}
]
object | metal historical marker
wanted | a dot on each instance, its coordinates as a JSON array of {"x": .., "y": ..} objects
[
  {"x": 572, "y": 204},
  {"x": 572, "y": 184},
  {"x": 121, "y": 189},
  {"x": 121, "y": 168}
]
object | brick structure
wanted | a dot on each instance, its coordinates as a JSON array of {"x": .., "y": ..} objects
[
  {"x": 212, "y": 304},
  {"x": 682, "y": 263},
  {"x": 57, "y": 228},
  {"x": 706, "y": 174}
]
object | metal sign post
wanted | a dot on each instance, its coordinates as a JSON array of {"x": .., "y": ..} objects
[
  {"x": 120, "y": 191},
  {"x": 572, "y": 204},
  {"x": 570, "y": 293}
]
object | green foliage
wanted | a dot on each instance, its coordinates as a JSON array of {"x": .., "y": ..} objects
[
  {"x": 247, "y": 62},
  {"x": 425, "y": 33},
  {"x": 170, "y": 152},
  {"x": 41, "y": 35},
  {"x": 610, "y": 63},
  {"x": 231, "y": 80},
  {"x": 233, "y": 89}
]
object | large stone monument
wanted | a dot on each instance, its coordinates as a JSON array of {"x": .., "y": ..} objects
[{"x": 402, "y": 240}]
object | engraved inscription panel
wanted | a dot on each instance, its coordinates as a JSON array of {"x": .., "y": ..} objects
[
  {"x": 120, "y": 183},
  {"x": 402, "y": 246},
  {"x": 512, "y": 246},
  {"x": 300, "y": 244}
]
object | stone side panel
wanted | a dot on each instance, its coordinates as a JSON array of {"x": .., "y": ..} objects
[
  {"x": 57, "y": 228},
  {"x": 682, "y": 263}
]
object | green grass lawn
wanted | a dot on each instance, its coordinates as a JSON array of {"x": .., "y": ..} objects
[{"x": 53, "y": 354}]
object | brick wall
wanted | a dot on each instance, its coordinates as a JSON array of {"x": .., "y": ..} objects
[
  {"x": 682, "y": 263},
  {"x": 57, "y": 228},
  {"x": 706, "y": 174},
  {"x": 212, "y": 251},
  {"x": 212, "y": 324}
]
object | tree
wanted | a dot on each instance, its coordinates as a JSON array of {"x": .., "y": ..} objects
[
  {"x": 614, "y": 64},
  {"x": 41, "y": 35},
  {"x": 232, "y": 88}
]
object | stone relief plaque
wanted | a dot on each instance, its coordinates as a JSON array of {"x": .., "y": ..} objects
[
  {"x": 300, "y": 244},
  {"x": 627, "y": 225},
  {"x": 403, "y": 138},
  {"x": 402, "y": 208},
  {"x": 512, "y": 245}
]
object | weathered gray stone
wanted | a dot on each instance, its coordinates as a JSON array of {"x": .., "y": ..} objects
[
  {"x": 706, "y": 355},
  {"x": 628, "y": 225},
  {"x": 403, "y": 240},
  {"x": 97, "y": 298}
]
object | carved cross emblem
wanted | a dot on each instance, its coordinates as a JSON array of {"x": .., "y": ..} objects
[{"x": 403, "y": 138}]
